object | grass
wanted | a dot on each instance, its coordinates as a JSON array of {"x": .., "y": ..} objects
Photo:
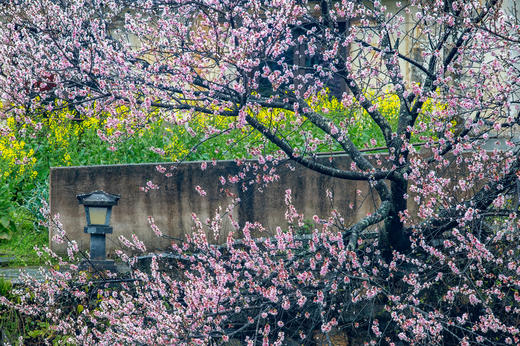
[
  {"x": 19, "y": 242},
  {"x": 21, "y": 247}
]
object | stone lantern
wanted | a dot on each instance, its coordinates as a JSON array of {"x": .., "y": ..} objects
[{"x": 98, "y": 209}]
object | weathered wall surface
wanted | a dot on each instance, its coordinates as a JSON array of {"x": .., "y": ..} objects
[{"x": 173, "y": 203}]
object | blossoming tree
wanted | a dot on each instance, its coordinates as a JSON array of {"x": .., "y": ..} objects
[{"x": 444, "y": 264}]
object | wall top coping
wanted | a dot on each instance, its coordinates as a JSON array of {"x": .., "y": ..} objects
[{"x": 197, "y": 162}]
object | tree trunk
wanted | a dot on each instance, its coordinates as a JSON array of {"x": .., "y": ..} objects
[{"x": 397, "y": 237}]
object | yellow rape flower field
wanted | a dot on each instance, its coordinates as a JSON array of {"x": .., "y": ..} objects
[{"x": 16, "y": 160}]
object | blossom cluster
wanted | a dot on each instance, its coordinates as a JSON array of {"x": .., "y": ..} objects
[{"x": 289, "y": 287}]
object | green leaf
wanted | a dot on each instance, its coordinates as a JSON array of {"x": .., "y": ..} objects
[
  {"x": 35, "y": 333},
  {"x": 5, "y": 222},
  {"x": 5, "y": 236}
]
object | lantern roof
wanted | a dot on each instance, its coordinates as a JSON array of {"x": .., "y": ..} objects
[{"x": 98, "y": 199}]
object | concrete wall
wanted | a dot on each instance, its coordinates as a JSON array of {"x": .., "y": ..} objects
[{"x": 173, "y": 203}]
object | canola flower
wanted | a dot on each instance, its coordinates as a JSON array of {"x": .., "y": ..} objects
[{"x": 16, "y": 160}]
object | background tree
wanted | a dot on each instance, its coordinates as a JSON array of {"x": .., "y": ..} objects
[{"x": 272, "y": 68}]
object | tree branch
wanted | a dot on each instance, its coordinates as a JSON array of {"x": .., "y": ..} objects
[
  {"x": 316, "y": 166},
  {"x": 381, "y": 213}
]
